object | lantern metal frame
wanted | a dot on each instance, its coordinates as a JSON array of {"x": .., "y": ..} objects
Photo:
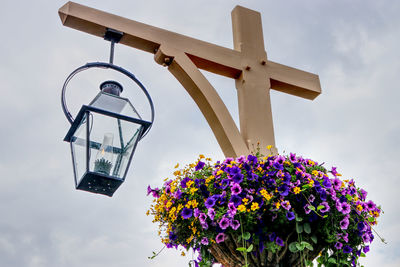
[{"x": 93, "y": 181}]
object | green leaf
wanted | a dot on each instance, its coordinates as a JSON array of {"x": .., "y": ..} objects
[
  {"x": 292, "y": 247},
  {"x": 298, "y": 219},
  {"x": 300, "y": 247},
  {"x": 307, "y": 245},
  {"x": 362, "y": 254},
  {"x": 249, "y": 249},
  {"x": 241, "y": 249},
  {"x": 246, "y": 236},
  {"x": 311, "y": 207},
  {"x": 314, "y": 239},
  {"x": 348, "y": 197},
  {"x": 325, "y": 216},
  {"x": 332, "y": 260},
  {"x": 320, "y": 207},
  {"x": 307, "y": 228},
  {"x": 371, "y": 219},
  {"x": 299, "y": 228}
]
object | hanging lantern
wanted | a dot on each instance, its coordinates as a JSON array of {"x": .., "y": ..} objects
[{"x": 105, "y": 133}]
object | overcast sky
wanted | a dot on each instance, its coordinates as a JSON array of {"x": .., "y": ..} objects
[{"x": 352, "y": 45}]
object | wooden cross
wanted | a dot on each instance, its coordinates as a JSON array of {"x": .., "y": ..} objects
[{"x": 247, "y": 63}]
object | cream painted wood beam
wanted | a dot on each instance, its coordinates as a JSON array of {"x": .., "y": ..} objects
[{"x": 211, "y": 57}]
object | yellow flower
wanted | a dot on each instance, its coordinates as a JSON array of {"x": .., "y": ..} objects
[
  {"x": 315, "y": 173},
  {"x": 176, "y": 166},
  {"x": 201, "y": 156},
  {"x": 220, "y": 172},
  {"x": 189, "y": 183},
  {"x": 277, "y": 205},
  {"x": 269, "y": 147},
  {"x": 296, "y": 190},
  {"x": 193, "y": 190},
  {"x": 177, "y": 173},
  {"x": 241, "y": 208},
  {"x": 183, "y": 254},
  {"x": 254, "y": 206},
  {"x": 359, "y": 207},
  {"x": 245, "y": 201},
  {"x": 265, "y": 194}
]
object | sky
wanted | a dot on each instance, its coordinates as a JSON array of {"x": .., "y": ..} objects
[{"x": 353, "y": 124}]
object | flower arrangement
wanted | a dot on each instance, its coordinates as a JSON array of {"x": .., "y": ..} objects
[{"x": 264, "y": 211}]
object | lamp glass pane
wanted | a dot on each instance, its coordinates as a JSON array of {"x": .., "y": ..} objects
[
  {"x": 78, "y": 147},
  {"x": 111, "y": 143},
  {"x": 115, "y": 104}
]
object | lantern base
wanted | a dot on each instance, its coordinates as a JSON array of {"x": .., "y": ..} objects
[{"x": 99, "y": 183}]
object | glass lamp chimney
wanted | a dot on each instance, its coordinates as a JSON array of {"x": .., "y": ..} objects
[{"x": 104, "y": 157}]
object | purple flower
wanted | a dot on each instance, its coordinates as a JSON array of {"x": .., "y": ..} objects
[
  {"x": 279, "y": 241},
  {"x": 346, "y": 208},
  {"x": 211, "y": 213},
  {"x": 286, "y": 205},
  {"x": 326, "y": 207},
  {"x": 292, "y": 158},
  {"x": 366, "y": 238},
  {"x": 234, "y": 170},
  {"x": 311, "y": 198},
  {"x": 371, "y": 205},
  {"x": 344, "y": 223},
  {"x": 196, "y": 212},
  {"x": 184, "y": 181},
  {"x": 345, "y": 237},
  {"x": 361, "y": 226},
  {"x": 278, "y": 166},
  {"x": 235, "y": 224},
  {"x": 333, "y": 171},
  {"x": 272, "y": 236},
  {"x": 202, "y": 217},
  {"x": 236, "y": 189},
  {"x": 178, "y": 194},
  {"x": 237, "y": 178},
  {"x": 252, "y": 159},
  {"x": 337, "y": 183},
  {"x": 220, "y": 238},
  {"x": 338, "y": 206},
  {"x": 199, "y": 166},
  {"x": 363, "y": 194},
  {"x": 231, "y": 209},
  {"x": 168, "y": 190},
  {"x": 204, "y": 241},
  {"x": 210, "y": 202},
  {"x": 290, "y": 215},
  {"x": 172, "y": 236},
  {"x": 224, "y": 223},
  {"x": 347, "y": 249},
  {"x": 365, "y": 249},
  {"x": 204, "y": 225},
  {"x": 155, "y": 192},
  {"x": 327, "y": 183},
  {"x": 283, "y": 190},
  {"x": 224, "y": 183},
  {"x": 186, "y": 213},
  {"x": 307, "y": 210},
  {"x": 338, "y": 245}
]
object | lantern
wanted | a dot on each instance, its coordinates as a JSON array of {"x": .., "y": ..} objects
[{"x": 104, "y": 134}]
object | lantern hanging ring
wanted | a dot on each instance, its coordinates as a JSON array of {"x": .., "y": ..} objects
[{"x": 114, "y": 37}]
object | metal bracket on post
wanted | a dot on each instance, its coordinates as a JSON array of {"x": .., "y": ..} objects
[{"x": 113, "y": 36}]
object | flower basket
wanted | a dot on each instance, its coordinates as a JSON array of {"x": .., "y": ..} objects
[{"x": 264, "y": 211}]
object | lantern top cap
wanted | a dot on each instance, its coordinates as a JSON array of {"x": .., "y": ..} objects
[{"x": 111, "y": 87}]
